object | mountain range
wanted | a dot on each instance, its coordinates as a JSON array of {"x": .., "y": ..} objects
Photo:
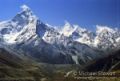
[{"x": 26, "y": 36}]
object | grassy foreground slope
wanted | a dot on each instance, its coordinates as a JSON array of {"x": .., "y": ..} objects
[{"x": 13, "y": 68}]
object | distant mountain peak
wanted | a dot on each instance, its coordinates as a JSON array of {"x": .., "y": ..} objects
[
  {"x": 25, "y": 16},
  {"x": 67, "y": 29},
  {"x": 25, "y": 8},
  {"x": 104, "y": 29},
  {"x": 26, "y": 11}
]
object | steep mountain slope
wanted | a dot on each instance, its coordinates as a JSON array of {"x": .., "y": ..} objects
[{"x": 12, "y": 28}]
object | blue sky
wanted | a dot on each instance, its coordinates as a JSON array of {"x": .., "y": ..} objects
[{"x": 86, "y": 13}]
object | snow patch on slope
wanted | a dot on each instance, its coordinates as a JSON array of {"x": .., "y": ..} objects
[{"x": 75, "y": 59}]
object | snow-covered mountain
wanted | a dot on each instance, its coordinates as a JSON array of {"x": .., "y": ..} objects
[
  {"x": 26, "y": 35},
  {"x": 23, "y": 22},
  {"x": 78, "y": 34},
  {"x": 107, "y": 38},
  {"x": 104, "y": 38}
]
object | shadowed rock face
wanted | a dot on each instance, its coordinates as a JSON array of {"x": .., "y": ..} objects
[{"x": 109, "y": 63}]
